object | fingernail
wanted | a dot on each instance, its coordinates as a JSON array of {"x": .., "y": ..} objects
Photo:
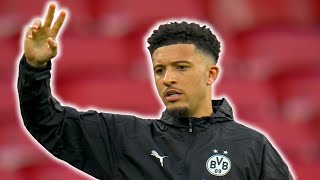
[{"x": 29, "y": 37}]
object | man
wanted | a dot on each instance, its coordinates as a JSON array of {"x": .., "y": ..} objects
[{"x": 196, "y": 137}]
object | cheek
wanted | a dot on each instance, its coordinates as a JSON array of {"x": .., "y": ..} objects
[
  {"x": 159, "y": 86},
  {"x": 198, "y": 77},
  {"x": 156, "y": 80},
  {"x": 197, "y": 84}
]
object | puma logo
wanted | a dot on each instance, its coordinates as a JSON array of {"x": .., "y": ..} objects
[{"x": 155, "y": 154}]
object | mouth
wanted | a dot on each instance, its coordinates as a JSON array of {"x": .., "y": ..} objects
[{"x": 172, "y": 95}]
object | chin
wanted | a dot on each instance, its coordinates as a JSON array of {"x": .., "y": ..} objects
[
  {"x": 175, "y": 105},
  {"x": 177, "y": 110}
]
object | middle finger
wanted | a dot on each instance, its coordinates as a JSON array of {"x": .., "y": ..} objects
[{"x": 50, "y": 16}]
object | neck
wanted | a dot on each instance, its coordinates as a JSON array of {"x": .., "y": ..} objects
[{"x": 204, "y": 110}]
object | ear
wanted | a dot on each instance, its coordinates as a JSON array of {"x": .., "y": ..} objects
[{"x": 213, "y": 74}]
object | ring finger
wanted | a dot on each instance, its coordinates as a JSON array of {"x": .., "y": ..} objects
[{"x": 36, "y": 27}]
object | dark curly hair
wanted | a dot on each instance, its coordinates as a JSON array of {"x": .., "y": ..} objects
[{"x": 174, "y": 33}]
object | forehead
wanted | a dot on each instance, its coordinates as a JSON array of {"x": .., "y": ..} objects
[{"x": 174, "y": 52}]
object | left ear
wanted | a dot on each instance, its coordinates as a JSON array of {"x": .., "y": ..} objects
[{"x": 213, "y": 74}]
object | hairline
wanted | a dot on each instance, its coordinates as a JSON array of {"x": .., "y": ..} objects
[{"x": 197, "y": 50}]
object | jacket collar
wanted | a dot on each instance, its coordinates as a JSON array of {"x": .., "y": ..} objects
[{"x": 222, "y": 111}]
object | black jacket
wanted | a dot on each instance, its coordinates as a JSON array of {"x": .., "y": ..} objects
[{"x": 114, "y": 146}]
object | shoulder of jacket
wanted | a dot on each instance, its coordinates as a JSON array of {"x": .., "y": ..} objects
[{"x": 247, "y": 131}]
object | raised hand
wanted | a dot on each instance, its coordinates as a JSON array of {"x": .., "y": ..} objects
[{"x": 40, "y": 44}]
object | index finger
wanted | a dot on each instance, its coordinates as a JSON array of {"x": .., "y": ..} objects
[
  {"x": 50, "y": 15},
  {"x": 59, "y": 22}
]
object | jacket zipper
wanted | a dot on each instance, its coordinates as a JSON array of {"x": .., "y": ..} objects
[
  {"x": 190, "y": 126},
  {"x": 188, "y": 153}
]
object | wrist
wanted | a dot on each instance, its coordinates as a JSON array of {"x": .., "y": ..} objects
[{"x": 37, "y": 64}]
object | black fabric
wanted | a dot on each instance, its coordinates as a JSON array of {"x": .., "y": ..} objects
[{"x": 114, "y": 146}]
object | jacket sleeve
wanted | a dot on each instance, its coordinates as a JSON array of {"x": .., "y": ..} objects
[
  {"x": 83, "y": 139},
  {"x": 273, "y": 166}
]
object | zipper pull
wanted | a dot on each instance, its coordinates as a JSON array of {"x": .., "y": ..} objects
[{"x": 190, "y": 126}]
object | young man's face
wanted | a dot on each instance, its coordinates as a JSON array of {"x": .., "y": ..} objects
[{"x": 183, "y": 77}]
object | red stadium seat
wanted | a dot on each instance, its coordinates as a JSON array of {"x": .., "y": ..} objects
[
  {"x": 250, "y": 14},
  {"x": 136, "y": 11},
  {"x": 23, "y": 9},
  {"x": 81, "y": 57},
  {"x": 287, "y": 12},
  {"x": 9, "y": 57},
  {"x": 124, "y": 17},
  {"x": 8, "y": 98},
  {"x": 116, "y": 94},
  {"x": 10, "y": 175},
  {"x": 298, "y": 96},
  {"x": 251, "y": 98},
  {"x": 79, "y": 11},
  {"x": 15, "y": 14},
  {"x": 12, "y": 134},
  {"x": 21, "y": 159},
  {"x": 81, "y": 18},
  {"x": 316, "y": 9},
  {"x": 51, "y": 171},
  {"x": 276, "y": 51},
  {"x": 17, "y": 150},
  {"x": 307, "y": 171},
  {"x": 294, "y": 139}
]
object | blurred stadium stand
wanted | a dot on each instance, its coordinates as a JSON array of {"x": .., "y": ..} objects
[
  {"x": 118, "y": 94},
  {"x": 270, "y": 70},
  {"x": 245, "y": 94}
]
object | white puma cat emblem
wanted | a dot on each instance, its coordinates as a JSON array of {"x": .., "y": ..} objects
[{"x": 155, "y": 154}]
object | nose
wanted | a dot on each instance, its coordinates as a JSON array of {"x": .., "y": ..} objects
[{"x": 169, "y": 78}]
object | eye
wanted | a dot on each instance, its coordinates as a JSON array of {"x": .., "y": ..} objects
[
  {"x": 158, "y": 71},
  {"x": 182, "y": 68}
]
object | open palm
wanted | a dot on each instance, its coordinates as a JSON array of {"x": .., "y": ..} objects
[{"x": 40, "y": 44}]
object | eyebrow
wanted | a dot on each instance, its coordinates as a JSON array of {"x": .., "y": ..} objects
[
  {"x": 175, "y": 62},
  {"x": 181, "y": 61}
]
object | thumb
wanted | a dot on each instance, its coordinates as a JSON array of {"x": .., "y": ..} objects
[{"x": 52, "y": 45}]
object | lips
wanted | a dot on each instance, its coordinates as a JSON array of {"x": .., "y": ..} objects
[{"x": 172, "y": 95}]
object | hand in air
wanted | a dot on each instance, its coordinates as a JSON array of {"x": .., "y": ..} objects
[{"x": 40, "y": 44}]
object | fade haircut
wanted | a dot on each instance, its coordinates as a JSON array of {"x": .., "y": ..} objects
[{"x": 185, "y": 33}]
